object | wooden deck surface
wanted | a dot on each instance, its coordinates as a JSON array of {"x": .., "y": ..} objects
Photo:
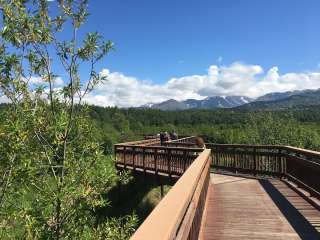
[{"x": 243, "y": 208}]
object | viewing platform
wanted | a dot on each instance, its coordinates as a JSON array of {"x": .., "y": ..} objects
[{"x": 228, "y": 191}]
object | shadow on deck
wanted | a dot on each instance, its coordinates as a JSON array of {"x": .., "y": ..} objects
[{"x": 249, "y": 208}]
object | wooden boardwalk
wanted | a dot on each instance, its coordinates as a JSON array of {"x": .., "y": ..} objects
[
  {"x": 244, "y": 208},
  {"x": 200, "y": 206}
]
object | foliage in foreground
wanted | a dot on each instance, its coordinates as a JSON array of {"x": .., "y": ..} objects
[{"x": 53, "y": 173}]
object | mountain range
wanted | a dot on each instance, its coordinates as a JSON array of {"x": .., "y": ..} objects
[{"x": 270, "y": 101}]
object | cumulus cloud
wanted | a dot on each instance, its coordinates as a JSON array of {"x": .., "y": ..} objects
[
  {"x": 236, "y": 79},
  {"x": 4, "y": 99},
  {"x": 58, "y": 81}
]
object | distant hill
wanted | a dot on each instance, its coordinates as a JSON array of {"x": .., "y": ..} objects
[
  {"x": 170, "y": 105},
  {"x": 299, "y": 100},
  {"x": 282, "y": 95},
  {"x": 270, "y": 101},
  {"x": 218, "y": 102},
  {"x": 207, "y": 103}
]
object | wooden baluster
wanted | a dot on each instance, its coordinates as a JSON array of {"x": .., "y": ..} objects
[
  {"x": 280, "y": 167},
  {"x": 155, "y": 161},
  {"x": 134, "y": 158},
  {"x": 233, "y": 154},
  {"x": 255, "y": 161},
  {"x": 217, "y": 155},
  {"x": 143, "y": 160}
]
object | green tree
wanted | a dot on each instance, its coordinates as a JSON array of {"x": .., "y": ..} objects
[{"x": 53, "y": 172}]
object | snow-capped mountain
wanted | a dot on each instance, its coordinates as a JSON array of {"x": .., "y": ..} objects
[
  {"x": 275, "y": 100},
  {"x": 207, "y": 103}
]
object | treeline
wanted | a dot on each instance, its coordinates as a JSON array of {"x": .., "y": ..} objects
[{"x": 298, "y": 128}]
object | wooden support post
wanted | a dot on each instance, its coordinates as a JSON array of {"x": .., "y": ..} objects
[
  {"x": 158, "y": 182},
  {"x": 169, "y": 163},
  {"x": 161, "y": 189}
]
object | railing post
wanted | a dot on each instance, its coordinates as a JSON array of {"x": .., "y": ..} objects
[
  {"x": 133, "y": 158},
  {"x": 255, "y": 161},
  {"x": 156, "y": 161},
  {"x": 233, "y": 153},
  {"x": 143, "y": 160},
  {"x": 282, "y": 162},
  {"x": 217, "y": 155}
]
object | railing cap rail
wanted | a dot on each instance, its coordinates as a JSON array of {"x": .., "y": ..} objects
[
  {"x": 180, "y": 139},
  {"x": 139, "y": 141},
  {"x": 188, "y": 149},
  {"x": 280, "y": 147},
  {"x": 165, "y": 219},
  {"x": 244, "y": 145},
  {"x": 302, "y": 150}
]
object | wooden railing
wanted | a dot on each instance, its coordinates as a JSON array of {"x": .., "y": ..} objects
[
  {"x": 179, "y": 214},
  {"x": 184, "y": 140},
  {"x": 256, "y": 159},
  {"x": 151, "y": 136},
  {"x": 303, "y": 167},
  {"x": 299, "y": 165},
  {"x": 146, "y": 142},
  {"x": 160, "y": 160},
  {"x": 180, "y": 144}
]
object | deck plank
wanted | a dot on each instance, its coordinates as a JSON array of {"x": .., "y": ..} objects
[{"x": 243, "y": 208}]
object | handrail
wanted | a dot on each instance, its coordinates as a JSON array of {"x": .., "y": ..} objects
[
  {"x": 183, "y": 140},
  {"x": 171, "y": 217},
  {"x": 161, "y": 147},
  {"x": 152, "y": 141},
  {"x": 299, "y": 165},
  {"x": 244, "y": 145},
  {"x": 181, "y": 144},
  {"x": 307, "y": 152},
  {"x": 140, "y": 142},
  {"x": 158, "y": 159}
]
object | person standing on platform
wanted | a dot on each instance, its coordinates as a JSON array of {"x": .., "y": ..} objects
[{"x": 162, "y": 138}]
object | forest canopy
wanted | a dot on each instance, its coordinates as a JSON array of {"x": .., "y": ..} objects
[{"x": 298, "y": 128}]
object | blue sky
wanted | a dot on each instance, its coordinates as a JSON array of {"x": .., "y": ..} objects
[
  {"x": 158, "y": 40},
  {"x": 184, "y": 49}
]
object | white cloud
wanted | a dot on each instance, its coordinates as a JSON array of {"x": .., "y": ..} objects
[
  {"x": 235, "y": 79},
  {"x": 4, "y": 99},
  {"x": 58, "y": 81}
]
